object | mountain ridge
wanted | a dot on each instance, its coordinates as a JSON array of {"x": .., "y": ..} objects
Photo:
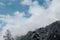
[{"x": 50, "y": 32}]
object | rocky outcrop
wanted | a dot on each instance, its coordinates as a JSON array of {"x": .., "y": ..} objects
[{"x": 50, "y": 32}]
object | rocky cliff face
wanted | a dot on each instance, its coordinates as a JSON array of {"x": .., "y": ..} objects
[{"x": 50, "y": 32}]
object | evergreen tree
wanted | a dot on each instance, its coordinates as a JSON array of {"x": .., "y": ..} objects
[{"x": 8, "y": 36}]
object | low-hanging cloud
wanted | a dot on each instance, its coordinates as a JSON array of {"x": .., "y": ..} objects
[{"x": 41, "y": 17}]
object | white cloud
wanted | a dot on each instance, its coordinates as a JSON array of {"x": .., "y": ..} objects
[
  {"x": 54, "y": 9},
  {"x": 14, "y": 23},
  {"x": 2, "y": 4},
  {"x": 40, "y": 15},
  {"x": 47, "y": 3},
  {"x": 40, "y": 18},
  {"x": 26, "y": 2}
]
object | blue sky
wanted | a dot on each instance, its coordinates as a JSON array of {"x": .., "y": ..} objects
[
  {"x": 9, "y": 6},
  {"x": 12, "y": 7}
]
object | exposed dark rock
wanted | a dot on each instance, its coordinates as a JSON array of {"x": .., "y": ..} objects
[{"x": 50, "y": 32}]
